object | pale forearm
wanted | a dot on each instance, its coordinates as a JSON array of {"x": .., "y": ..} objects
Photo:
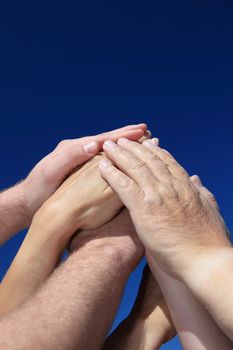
[
  {"x": 195, "y": 327},
  {"x": 13, "y": 213},
  {"x": 211, "y": 282},
  {"x": 79, "y": 300}
]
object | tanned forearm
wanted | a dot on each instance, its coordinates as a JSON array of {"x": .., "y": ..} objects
[
  {"x": 133, "y": 334},
  {"x": 195, "y": 327},
  {"x": 75, "y": 308}
]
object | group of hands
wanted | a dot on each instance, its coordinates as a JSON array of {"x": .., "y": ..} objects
[{"x": 123, "y": 181}]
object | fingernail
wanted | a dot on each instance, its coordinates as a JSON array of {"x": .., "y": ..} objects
[
  {"x": 90, "y": 147},
  {"x": 148, "y": 143},
  {"x": 148, "y": 134},
  {"x": 122, "y": 140},
  {"x": 155, "y": 141},
  {"x": 110, "y": 144},
  {"x": 104, "y": 163},
  {"x": 198, "y": 180}
]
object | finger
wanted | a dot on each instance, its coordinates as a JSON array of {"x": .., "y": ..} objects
[
  {"x": 154, "y": 163},
  {"x": 66, "y": 160},
  {"x": 173, "y": 166},
  {"x": 134, "y": 135},
  {"x": 127, "y": 190},
  {"x": 142, "y": 126},
  {"x": 146, "y": 136},
  {"x": 130, "y": 164},
  {"x": 195, "y": 179}
]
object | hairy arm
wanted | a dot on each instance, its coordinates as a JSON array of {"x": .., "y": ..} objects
[
  {"x": 84, "y": 201},
  {"x": 76, "y": 306}
]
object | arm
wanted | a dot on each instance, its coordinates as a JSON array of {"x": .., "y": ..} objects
[
  {"x": 149, "y": 324},
  {"x": 179, "y": 227},
  {"x": 19, "y": 203},
  {"x": 84, "y": 201},
  {"x": 195, "y": 327},
  {"x": 76, "y": 306}
]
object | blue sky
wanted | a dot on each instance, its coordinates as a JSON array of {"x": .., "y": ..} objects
[{"x": 71, "y": 68}]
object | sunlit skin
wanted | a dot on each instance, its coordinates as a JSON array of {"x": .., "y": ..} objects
[
  {"x": 76, "y": 204},
  {"x": 19, "y": 203},
  {"x": 176, "y": 222}
]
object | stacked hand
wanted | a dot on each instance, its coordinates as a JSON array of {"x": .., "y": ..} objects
[{"x": 173, "y": 218}]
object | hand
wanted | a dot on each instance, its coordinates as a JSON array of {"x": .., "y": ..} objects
[
  {"x": 51, "y": 171},
  {"x": 174, "y": 220},
  {"x": 118, "y": 234}
]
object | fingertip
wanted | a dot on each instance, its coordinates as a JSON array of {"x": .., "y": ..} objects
[
  {"x": 104, "y": 163},
  {"x": 196, "y": 180},
  {"x": 155, "y": 141},
  {"x": 91, "y": 148}
]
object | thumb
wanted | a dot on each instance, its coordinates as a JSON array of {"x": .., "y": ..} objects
[{"x": 66, "y": 160}]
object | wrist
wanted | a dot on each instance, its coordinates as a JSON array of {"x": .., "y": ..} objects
[
  {"x": 53, "y": 226},
  {"x": 14, "y": 214},
  {"x": 208, "y": 266}
]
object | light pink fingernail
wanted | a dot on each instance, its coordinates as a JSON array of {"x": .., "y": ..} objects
[
  {"x": 122, "y": 140},
  {"x": 155, "y": 141},
  {"x": 148, "y": 143},
  {"x": 90, "y": 147},
  {"x": 110, "y": 144},
  {"x": 104, "y": 163}
]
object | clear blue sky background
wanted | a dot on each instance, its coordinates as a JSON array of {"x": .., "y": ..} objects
[{"x": 70, "y": 68}]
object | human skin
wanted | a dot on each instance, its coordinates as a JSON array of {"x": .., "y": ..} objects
[
  {"x": 176, "y": 223},
  {"x": 19, "y": 203},
  {"x": 83, "y": 202},
  {"x": 149, "y": 324},
  {"x": 81, "y": 296},
  {"x": 195, "y": 327}
]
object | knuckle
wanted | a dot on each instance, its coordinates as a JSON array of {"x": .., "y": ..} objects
[
  {"x": 63, "y": 143},
  {"x": 152, "y": 157},
  {"x": 137, "y": 165},
  {"x": 124, "y": 182}
]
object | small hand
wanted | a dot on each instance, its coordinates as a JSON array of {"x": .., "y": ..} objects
[
  {"x": 52, "y": 170},
  {"x": 174, "y": 220}
]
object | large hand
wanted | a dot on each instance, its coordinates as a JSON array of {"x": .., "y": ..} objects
[
  {"x": 51, "y": 171},
  {"x": 174, "y": 220}
]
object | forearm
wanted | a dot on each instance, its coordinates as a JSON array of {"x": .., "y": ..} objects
[
  {"x": 80, "y": 299},
  {"x": 195, "y": 327},
  {"x": 211, "y": 282},
  {"x": 34, "y": 262},
  {"x": 137, "y": 334},
  {"x": 13, "y": 213}
]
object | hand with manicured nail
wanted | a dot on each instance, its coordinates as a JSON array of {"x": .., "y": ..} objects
[{"x": 174, "y": 220}]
